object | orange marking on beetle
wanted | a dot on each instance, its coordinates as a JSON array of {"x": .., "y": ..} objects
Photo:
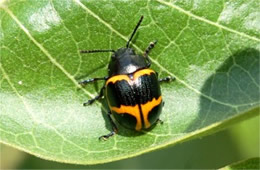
[
  {"x": 118, "y": 78},
  {"x": 142, "y": 72},
  {"x": 147, "y": 107},
  {"x": 136, "y": 75},
  {"x": 132, "y": 110}
]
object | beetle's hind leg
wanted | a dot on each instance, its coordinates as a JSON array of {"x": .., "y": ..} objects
[
  {"x": 100, "y": 95},
  {"x": 167, "y": 79},
  {"x": 159, "y": 121},
  {"x": 114, "y": 128}
]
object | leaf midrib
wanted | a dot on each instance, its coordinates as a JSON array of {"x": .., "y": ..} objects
[{"x": 53, "y": 60}]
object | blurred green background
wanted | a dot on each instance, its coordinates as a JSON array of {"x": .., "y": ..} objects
[{"x": 238, "y": 142}]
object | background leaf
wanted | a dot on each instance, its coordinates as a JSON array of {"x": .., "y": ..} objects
[
  {"x": 252, "y": 163},
  {"x": 211, "y": 47}
]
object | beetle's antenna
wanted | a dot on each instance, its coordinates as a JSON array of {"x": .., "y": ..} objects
[
  {"x": 136, "y": 27},
  {"x": 96, "y": 51}
]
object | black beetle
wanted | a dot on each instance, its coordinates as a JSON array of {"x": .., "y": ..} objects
[{"x": 132, "y": 89}]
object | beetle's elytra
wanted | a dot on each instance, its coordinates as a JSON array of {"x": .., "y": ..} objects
[{"x": 132, "y": 89}]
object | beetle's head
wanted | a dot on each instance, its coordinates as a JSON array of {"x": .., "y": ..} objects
[
  {"x": 126, "y": 51},
  {"x": 121, "y": 52},
  {"x": 123, "y": 60}
]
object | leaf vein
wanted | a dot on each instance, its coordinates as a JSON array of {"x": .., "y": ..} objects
[
  {"x": 56, "y": 64},
  {"x": 53, "y": 60},
  {"x": 154, "y": 61},
  {"x": 72, "y": 37},
  {"x": 208, "y": 21}
]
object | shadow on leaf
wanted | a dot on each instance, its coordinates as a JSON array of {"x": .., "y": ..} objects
[{"x": 233, "y": 89}]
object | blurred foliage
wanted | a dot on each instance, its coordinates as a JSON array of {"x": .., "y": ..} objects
[
  {"x": 238, "y": 142},
  {"x": 253, "y": 163}
]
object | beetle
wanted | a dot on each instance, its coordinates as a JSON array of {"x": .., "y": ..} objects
[{"x": 132, "y": 89}]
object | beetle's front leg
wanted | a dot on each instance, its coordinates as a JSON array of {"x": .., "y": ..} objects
[
  {"x": 148, "y": 49},
  {"x": 114, "y": 128},
  {"x": 100, "y": 95},
  {"x": 167, "y": 79},
  {"x": 84, "y": 82}
]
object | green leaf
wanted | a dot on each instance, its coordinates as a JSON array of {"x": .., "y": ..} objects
[
  {"x": 252, "y": 163},
  {"x": 211, "y": 47}
]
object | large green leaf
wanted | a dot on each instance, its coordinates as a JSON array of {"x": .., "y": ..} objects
[{"x": 211, "y": 47}]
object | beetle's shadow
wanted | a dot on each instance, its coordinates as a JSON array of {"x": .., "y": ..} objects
[
  {"x": 231, "y": 87},
  {"x": 122, "y": 131}
]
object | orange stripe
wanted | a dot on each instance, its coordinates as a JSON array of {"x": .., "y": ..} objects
[
  {"x": 147, "y": 107},
  {"x": 136, "y": 75},
  {"x": 132, "y": 110},
  {"x": 142, "y": 72},
  {"x": 118, "y": 78}
]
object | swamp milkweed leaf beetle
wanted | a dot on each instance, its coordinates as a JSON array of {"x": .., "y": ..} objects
[{"x": 132, "y": 89}]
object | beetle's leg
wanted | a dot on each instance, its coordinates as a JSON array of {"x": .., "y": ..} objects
[
  {"x": 167, "y": 79},
  {"x": 95, "y": 98},
  {"x": 159, "y": 121},
  {"x": 114, "y": 129},
  {"x": 84, "y": 82},
  {"x": 148, "y": 49}
]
